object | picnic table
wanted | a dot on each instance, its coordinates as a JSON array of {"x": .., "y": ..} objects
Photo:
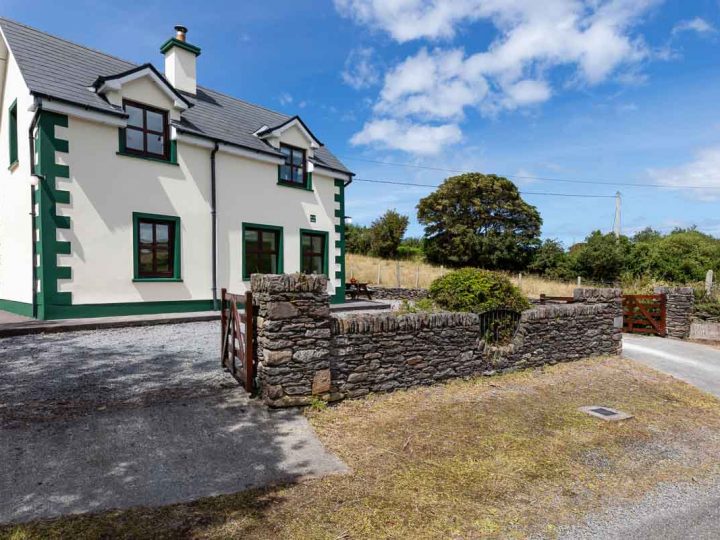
[{"x": 356, "y": 289}]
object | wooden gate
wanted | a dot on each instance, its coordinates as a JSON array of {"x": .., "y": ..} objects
[
  {"x": 237, "y": 349},
  {"x": 645, "y": 314}
]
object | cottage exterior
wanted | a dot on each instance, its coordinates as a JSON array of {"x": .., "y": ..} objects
[{"x": 147, "y": 193}]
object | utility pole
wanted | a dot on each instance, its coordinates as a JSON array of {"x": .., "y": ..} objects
[{"x": 617, "y": 227}]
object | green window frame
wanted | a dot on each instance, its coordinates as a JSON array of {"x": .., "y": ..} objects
[
  {"x": 293, "y": 173},
  {"x": 174, "y": 249},
  {"x": 309, "y": 254},
  {"x": 13, "y": 134},
  {"x": 259, "y": 251}
]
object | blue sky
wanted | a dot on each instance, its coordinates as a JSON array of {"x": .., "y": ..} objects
[{"x": 598, "y": 90}]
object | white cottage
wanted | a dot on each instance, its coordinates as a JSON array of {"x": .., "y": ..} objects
[{"x": 124, "y": 190}]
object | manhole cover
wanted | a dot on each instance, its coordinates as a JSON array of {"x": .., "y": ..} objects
[{"x": 605, "y": 413}]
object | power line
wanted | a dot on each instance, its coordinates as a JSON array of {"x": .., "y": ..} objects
[
  {"x": 395, "y": 183},
  {"x": 540, "y": 178}
]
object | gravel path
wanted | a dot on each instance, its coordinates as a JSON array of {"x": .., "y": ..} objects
[
  {"x": 115, "y": 418},
  {"x": 52, "y": 375}
]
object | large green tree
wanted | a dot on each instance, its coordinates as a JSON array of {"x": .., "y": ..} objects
[
  {"x": 479, "y": 220},
  {"x": 386, "y": 234},
  {"x": 357, "y": 239}
]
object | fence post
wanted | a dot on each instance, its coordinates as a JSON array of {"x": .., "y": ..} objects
[
  {"x": 397, "y": 273},
  {"x": 249, "y": 343},
  {"x": 378, "y": 273},
  {"x": 417, "y": 276},
  {"x": 708, "y": 283},
  {"x": 223, "y": 325},
  {"x": 579, "y": 284},
  {"x": 520, "y": 280}
]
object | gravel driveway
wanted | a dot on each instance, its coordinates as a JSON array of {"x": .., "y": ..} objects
[{"x": 136, "y": 416}]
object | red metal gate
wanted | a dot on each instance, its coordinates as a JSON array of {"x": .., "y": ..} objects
[
  {"x": 645, "y": 314},
  {"x": 237, "y": 341}
]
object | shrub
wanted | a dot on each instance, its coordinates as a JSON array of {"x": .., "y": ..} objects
[{"x": 470, "y": 289}]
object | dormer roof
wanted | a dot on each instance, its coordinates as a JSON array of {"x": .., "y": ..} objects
[{"x": 115, "y": 82}]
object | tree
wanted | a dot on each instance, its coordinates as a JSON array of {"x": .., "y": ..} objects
[
  {"x": 602, "y": 257},
  {"x": 479, "y": 220},
  {"x": 549, "y": 259},
  {"x": 386, "y": 233},
  {"x": 357, "y": 239}
]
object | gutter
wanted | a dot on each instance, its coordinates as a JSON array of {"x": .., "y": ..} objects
[
  {"x": 213, "y": 212},
  {"x": 31, "y": 141}
]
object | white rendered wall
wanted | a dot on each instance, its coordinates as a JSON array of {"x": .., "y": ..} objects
[
  {"x": 15, "y": 220},
  {"x": 106, "y": 189}
]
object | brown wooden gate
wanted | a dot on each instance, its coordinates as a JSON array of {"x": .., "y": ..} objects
[
  {"x": 237, "y": 349},
  {"x": 645, "y": 314}
]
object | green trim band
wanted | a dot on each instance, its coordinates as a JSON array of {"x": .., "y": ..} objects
[
  {"x": 18, "y": 308},
  {"x": 273, "y": 228},
  {"x": 173, "y": 42},
  {"x": 177, "y": 246},
  {"x": 339, "y": 296},
  {"x": 46, "y": 196},
  {"x": 129, "y": 308}
]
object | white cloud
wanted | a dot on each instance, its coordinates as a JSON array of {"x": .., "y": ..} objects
[
  {"x": 408, "y": 136},
  {"x": 360, "y": 71},
  {"x": 593, "y": 38},
  {"x": 285, "y": 99},
  {"x": 698, "y": 24},
  {"x": 704, "y": 170}
]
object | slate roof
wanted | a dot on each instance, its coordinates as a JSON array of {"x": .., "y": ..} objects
[{"x": 56, "y": 68}]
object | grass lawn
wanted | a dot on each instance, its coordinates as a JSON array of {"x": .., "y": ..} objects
[{"x": 492, "y": 457}]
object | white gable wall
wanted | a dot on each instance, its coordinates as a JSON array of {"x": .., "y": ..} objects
[{"x": 15, "y": 220}]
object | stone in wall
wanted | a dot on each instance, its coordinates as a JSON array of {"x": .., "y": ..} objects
[
  {"x": 398, "y": 293},
  {"x": 680, "y": 306}
]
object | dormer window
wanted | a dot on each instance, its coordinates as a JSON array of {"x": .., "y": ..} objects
[
  {"x": 146, "y": 134},
  {"x": 293, "y": 171}
]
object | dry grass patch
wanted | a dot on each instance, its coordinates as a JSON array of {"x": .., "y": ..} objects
[
  {"x": 418, "y": 274},
  {"x": 492, "y": 457}
]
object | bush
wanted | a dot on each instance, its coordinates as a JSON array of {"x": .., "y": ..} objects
[{"x": 470, "y": 289}]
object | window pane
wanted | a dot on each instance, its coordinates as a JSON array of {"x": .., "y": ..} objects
[
  {"x": 316, "y": 265},
  {"x": 146, "y": 261},
  {"x": 162, "y": 233},
  {"x": 155, "y": 122},
  {"x": 267, "y": 263},
  {"x": 268, "y": 241},
  {"x": 134, "y": 139},
  {"x": 306, "y": 242},
  {"x": 162, "y": 260},
  {"x": 317, "y": 244},
  {"x": 146, "y": 232},
  {"x": 251, "y": 240},
  {"x": 296, "y": 175},
  {"x": 155, "y": 144},
  {"x": 285, "y": 173},
  {"x": 136, "y": 116},
  {"x": 287, "y": 151},
  {"x": 251, "y": 263},
  {"x": 297, "y": 157}
]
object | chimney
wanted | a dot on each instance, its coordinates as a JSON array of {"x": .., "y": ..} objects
[{"x": 180, "y": 60}]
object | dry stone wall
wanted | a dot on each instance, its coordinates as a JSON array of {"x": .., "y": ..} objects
[{"x": 305, "y": 353}]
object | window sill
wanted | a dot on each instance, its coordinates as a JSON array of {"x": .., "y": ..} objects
[
  {"x": 147, "y": 158},
  {"x": 295, "y": 186},
  {"x": 157, "y": 280},
  {"x": 14, "y": 165}
]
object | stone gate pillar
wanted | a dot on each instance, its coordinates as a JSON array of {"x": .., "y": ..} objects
[
  {"x": 680, "y": 306},
  {"x": 294, "y": 336}
]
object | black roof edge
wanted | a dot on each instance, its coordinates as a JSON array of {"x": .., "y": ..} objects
[
  {"x": 319, "y": 163},
  {"x": 215, "y": 139},
  {"x": 147, "y": 65},
  {"x": 121, "y": 114},
  {"x": 286, "y": 122}
]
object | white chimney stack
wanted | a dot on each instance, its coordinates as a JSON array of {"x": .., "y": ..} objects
[{"x": 180, "y": 61}]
